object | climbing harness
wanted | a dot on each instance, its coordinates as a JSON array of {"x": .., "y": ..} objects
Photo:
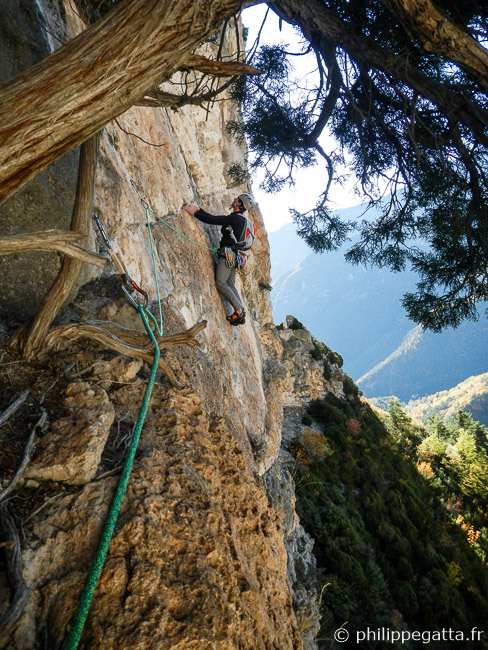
[
  {"x": 230, "y": 257},
  {"x": 126, "y": 279}
]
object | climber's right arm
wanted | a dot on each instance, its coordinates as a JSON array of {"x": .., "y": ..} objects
[{"x": 212, "y": 219}]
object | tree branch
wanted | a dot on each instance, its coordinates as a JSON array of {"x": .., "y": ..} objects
[
  {"x": 440, "y": 35},
  {"x": 321, "y": 26},
  {"x": 7, "y": 414},
  {"x": 25, "y": 460},
  {"x": 330, "y": 102},
  {"x": 218, "y": 68},
  {"x": 136, "y": 345},
  {"x": 11, "y": 542},
  {"x": 67, "y": 97},
  {"x": 19, "y": 592},
  {"x": 58, "y": 241},
  {"x": 158, "y": 98}
]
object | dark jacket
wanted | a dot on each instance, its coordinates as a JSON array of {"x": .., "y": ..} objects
[{"x": 235, "y": 220}]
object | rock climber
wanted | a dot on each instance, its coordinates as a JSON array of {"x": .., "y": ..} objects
[{"x": 233, "y": 227}]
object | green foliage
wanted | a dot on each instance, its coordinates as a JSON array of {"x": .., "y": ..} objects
[
  {"x": 453, "y": 457},
  {"x": 404, "y": 115},
  {"x": 350, "y": 388},
  {"x": 386, "y": 547},
  {"x": 322, "y": 351}
]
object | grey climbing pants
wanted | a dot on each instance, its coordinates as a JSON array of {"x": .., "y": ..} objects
[{"x": 225, "y": 281}]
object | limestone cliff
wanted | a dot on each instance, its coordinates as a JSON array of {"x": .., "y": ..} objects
[{"x": 208, "y": 551}]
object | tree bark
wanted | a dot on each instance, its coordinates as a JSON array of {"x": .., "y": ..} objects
[
  {"x": 58, "y": 241},
  {"x": 440, "y": 35},
  {"x": 321, "y": 26},
  {"x": 65, "y": 99},
  {"x": 71, "y": 267},
  {"x": 108, "y": 334}
]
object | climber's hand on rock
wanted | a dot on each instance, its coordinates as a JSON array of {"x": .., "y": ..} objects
[{"x": 191, "y": 207}]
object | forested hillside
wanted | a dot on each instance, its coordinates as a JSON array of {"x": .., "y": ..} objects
[
  {"x": 470, "y": 395},
  {"x": 398, "y": 515}
]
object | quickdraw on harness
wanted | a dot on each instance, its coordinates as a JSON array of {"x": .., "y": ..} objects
[
  {"x": 127, "y": 281},
  {"x": 234, "y": 259}
]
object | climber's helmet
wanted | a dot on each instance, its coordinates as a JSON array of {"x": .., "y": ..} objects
[{"x": 247, "y": 201}]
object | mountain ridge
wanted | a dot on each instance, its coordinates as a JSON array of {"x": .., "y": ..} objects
[{"x": 358, "y": 312}]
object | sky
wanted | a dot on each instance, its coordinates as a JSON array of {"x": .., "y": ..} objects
[{"x": 308, "y": 182}]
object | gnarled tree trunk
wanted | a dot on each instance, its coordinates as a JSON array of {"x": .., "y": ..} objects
[
  {"x": 440, "y": 35},
  {"x": 71, "y": 267},
  {"x": 65, "y": 99}
]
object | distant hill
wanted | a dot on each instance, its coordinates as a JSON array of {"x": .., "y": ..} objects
[
  {"x": 470, "y": 396},
  {"x": 426, "y": 363},
  {"x": 354, "y": 310},
  {"x": 357, "y": 312}
]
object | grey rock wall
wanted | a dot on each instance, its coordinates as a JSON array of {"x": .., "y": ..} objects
[{"x": 29, "y": 31}]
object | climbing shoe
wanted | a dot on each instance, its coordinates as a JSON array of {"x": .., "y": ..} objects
[{"x": 237, "y": 319}]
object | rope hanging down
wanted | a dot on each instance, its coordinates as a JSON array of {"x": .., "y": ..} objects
[
  {"x": 102, "y": 550},
  {"x": 91, "y": 581}
]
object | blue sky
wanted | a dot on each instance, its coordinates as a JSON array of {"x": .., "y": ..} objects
[{"x": 309, "y": 182}]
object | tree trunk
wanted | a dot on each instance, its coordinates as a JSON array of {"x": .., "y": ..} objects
[
  {"x": 322, "y": 27},
  {"x": 440, "y": 35},
  {"x": 71, "y": 267},
  {"x": 65, "y": 99}
]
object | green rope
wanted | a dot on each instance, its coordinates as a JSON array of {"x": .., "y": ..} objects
[
  {"x": 160, "y": 328},
  {"x": 214, "y": 250},
  {"x": 91, "y": 581}
]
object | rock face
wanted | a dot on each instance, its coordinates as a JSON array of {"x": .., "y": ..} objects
[{"x": 208, "y": 551}]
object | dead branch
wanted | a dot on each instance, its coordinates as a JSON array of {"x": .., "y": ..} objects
[
  {"x": 70, "y": 271},
  {"x": 131, "y": 337},
  {"x": 218, "y": 68},
  {"x": 158, "y": 98},
  {"x": 25, "y": 460},
  {"x": 19, "y": 592},
  {"x": 58, "y": 241},
  {"x": 155, "y": 97},
  {"x": 10, "y": 542},
  {"x": 108, "y": 335},
  {"x": 7, "y": 414},
  {"x": 11, "y": 545}
]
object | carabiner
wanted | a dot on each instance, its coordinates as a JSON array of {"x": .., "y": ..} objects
[
  {"x": 145, "y": 297},
  {"x": 103, "y": 232},
  {"x": 127, "y": 281},
  {"x": 133, "y": 302},
  {"x": 145, "y": 204}
]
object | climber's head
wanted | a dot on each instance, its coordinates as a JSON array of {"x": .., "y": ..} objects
[
  {"x": 243, "y": 202},
  {"x": 247, "y": 201}
]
